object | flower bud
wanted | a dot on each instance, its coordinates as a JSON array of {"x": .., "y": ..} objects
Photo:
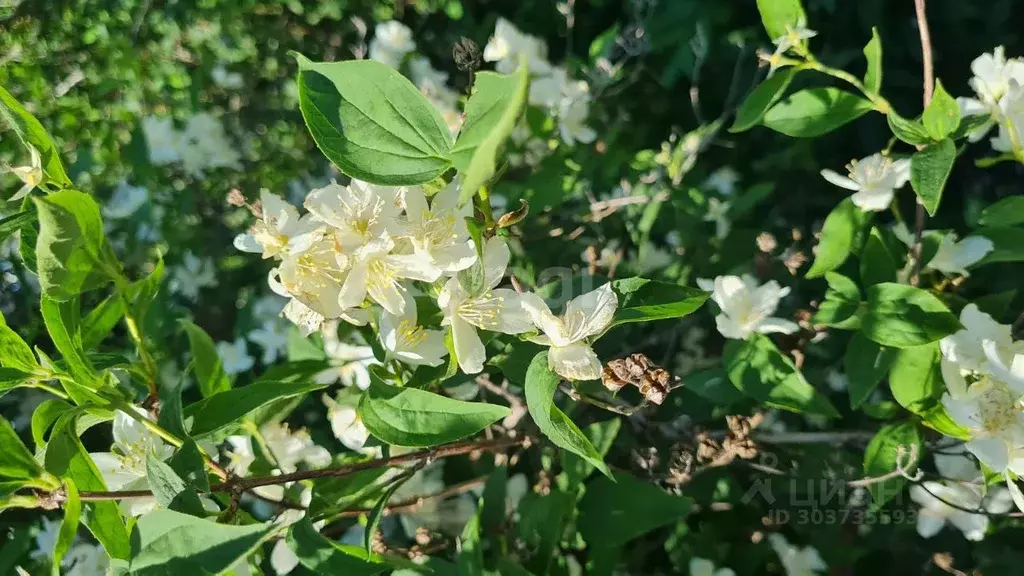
[{"x": 466, "y": 54}]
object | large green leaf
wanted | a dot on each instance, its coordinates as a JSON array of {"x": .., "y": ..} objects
[
  {"x": 781, "y": 16},
  {"x": 323, "y": 556},
  {"x": 14, "y": 351},
  {"x": 838, "y": 235},
  {"x": 877, "y": 263},
  {"x": 758, "y": 369},
  {"x": 62, "y": 322},
  {"x": 642, "y": 300},
  {"x": 873, "y": 55},
  {"x": 169, "y": 490},
  {"x": 492, "y": 112},
  {"x": 32, "y": 133},
  {"x": 903, "y": 316},
  {"x": 16, "y": 462},
  {"x": 812, "y": 112},
  {"x": 613, "y": 512},
  {"x": 929, "y": 170},
  {"x": 916, "y": 378},
  {"x": 169, "y": 543},
  {"x": 541, "y": 384},
  {"x": 71, "y": 252},
  {"x": 1007, "y": 212},
  {"x": 942, "y": 116},
  {"x": 225, "y": 408},
  {"x": 206, "y": 362},
  {"x": 1007, "y": 243},
  {"x": 866, "y": 364},
  {"x": 413, "y": 417},
  {"x": 842, "y": 301},
  {"x": 372, "y": 122},
  {"x": 766, "y": 94},
  {"x": 880, "y": 459}
]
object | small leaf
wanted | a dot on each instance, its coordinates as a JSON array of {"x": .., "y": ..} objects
[
  {"x": 910, "y": 131},
  {"x": 541, "y": 384},
  {"x": 1007, "y": 242},
  {"x": 942, "y": 116},
  {"x": 877, "y": 264},
  {"x": 491, "y": 114},
  {"x": 171, "y": 416},
  {"x": 71, "y": 253},
  {"x": 762, "y": 98},
  {"x": 166, "y": 542},
  {"x": 373, "y": 519},
  {"x": 643, "y": 300},
  {"x": 471, "y": 553},
  {"x": 225, "y": 408},
  {"x": 32, "y": 133},
  {"x": 781, "y": 16},
  {"x": 758, "y": 369},
  {"x": 169, "y": 490},
  {"x": 601, "y": 435},
  {"x": 881, "y": 459},
  {"x": 62, "y": 322},
  {"x": 902, "y": 316},
  {"x": 372, "y": 123},
  {"x": 413, "y": 417},
  {"x": 842, "y": 300},
  {"x": 206, "y": 362},
  {"x": 873, "y": 55},
  {"x": 838, "y": 234},
  {"x": 613, "y": 512},
  {"x": 1007, "y": 212},
  {"x": 929, "y": 170},
  {"x": 323, "y": 556},
  {"x": 16, "y": 461},
  {"x": 44, "y": 416},
  {"x": 189, "y": 465},
  {"x": 68, "y": 526},
  {"x": 866, "y": 364},
  {"x": 14, "y": 351},
  {"x": 812, "y": 112},
  {"x": 916, "y": 378}
]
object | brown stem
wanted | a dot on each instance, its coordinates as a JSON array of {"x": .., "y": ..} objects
[{"x": 929, "y": 87}]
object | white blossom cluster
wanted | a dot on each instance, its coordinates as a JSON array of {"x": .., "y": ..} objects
[
  {"x": 746, "y": 307},
  {"x": 998, "y": 85},
  {"x": 359, "y": 250},
  {"x": 202, "y": 145}
]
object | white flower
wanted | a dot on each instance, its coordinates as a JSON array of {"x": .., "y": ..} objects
[
  {"x": 1010, "y": 138},
  {"x": 572, "y": 121},
  {"x": 125, "y": 201},
  {"x": 234, "y": 356},
  {"x": 125, "y": 467},
  {"x": 30, "y": 176},
  {"x": 747, "y": 306},
  {"x": 508, "y": 45},
  {"x": 548, "y": 90},
  {"x": 960, "y": 490},
  {"x": 282, "y": 558},
  {"x": 192, "y": 275},
  {"x": 289, "y": 449},
  {"x": 792, "y": 38},
  {"x": 427, "y": 78},
  {"x": 162, "y": 140},
  {"x": 204, "y": 144},
  {"x": 951, "y": 257},
  {"x": 796, "y": 561},
  {"x": 993, "y": 74},
  {"x": 438, "y": 231},
  {"x": 360, "y": 212},
  {"x": 376, "y": 273},
  {"x": 874, "y": 180},
  {"x": 313, "y": 277},
  {"x": 350, "y": 363},
  {"x": 46, "y": 539},
  {"x": 392, "y": 40},
  {"x": 240, "y": 454},
  {"x": 836, "y": 380},
  {"x": 280, "y": 230},
  {"x": 272, "y": 336},
  {"x": 407, "y": 341},
  {"x": 345, "y": 421},
  {"x": 964, "y": 348},
  {"x": 229, "y": 80},
  {"x": 723, "y": 180},
  {"x": 448, "y": 516},
  {"x": 495, "y": 309},
  {"x": 571, "y": 356},
  {"x": 718, "y": 212},
  {"x": 268, "y": 307},
  {"x": 705, "y": 567},
  {"x": 87, "y": 560}
]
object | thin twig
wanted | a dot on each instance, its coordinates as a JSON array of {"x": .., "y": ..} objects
[
  {"x": 929, "y": 87},
  {"x": 515, "y": 403},
  {"x": 410, "y": 505}
]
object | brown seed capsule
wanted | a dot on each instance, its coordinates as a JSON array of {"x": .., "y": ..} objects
[{"x": 466, "y": 54}]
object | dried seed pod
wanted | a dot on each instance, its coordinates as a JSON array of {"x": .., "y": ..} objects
[
  {"x": 610, "y": 377},
  {"x": 466, "y": 54}
]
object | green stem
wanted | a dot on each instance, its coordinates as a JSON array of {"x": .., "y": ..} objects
[
  {"x": 485, "y": 207},
  {"x": 136, "y": 334},
  {"x": 51, "y": 389},
  {"x": 880, "y": 103}
]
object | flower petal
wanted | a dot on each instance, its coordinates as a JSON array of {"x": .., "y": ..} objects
[
  {"x": 591, "y": 313},
  {"x": 468, "y": 347},
  {"x": 840, "y": 180},
  {"x": 575, "y": 362},
  {"x": 544, "y": 319}
]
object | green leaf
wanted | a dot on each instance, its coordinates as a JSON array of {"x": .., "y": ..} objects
[
  {"x": 32, "y": 133},
  {"x": 812, "y": 112},
  {"x": 1007, "y": 212},
  {"x": 68, "y": 526},
  {"x": 225, "y": 408},
  {"x": 492, "y": 112},
  {"x": 842, "y": 300},
  {"x": 758, "y": 369},
  {"x": 866, "y": 364},
  {"x": 16, "y": 461},
  {"x": 601, "y": 435},
  {"x": 62, "y": 323},
  {"x": 71, "y": 252},
  {"x": 44, "y": 416},
  {"x": 323, "y": 556},
  {"x": 942, "y": 116},
  {"x": 873, "y": 55},
  {"x": 493, "y": 507},
  {"x": 881, "y": 459},
  {"x": 780, "y": 16},
  {"x": 766, "y": 94},
  {"x": 929, "y": 170},
  {"x": 838, "y": 235},
  {"x": 373, "y": 519},
  {"x": 642, "y": 300},
  {"x": 541, "y": 384},
  {"x": 67, "y": 458},
  {"x": 471, "y": 554},
  {"x": 916, "y": 378},
  {"x": 1007, "y": 242},
  {"x": 371, "y": 122},
  {"x": 169, "y": 490},
  {"x": 167, "y": 543},
  {"x": 877, "y": 264},
  {"x": 171, "y": 416},
  {"x": 713, "y": 385},
  {"x": 902, "y": 316},
  {"x": 413, "y": 417},
  {"x": 189, "y": 465},
  {"x": 15, "y": 222},
  {"x": 613, "y": 512},
  {"x": 14, "y": 351},
  {"x": 102, "y": 319},
  {"x": 206, "y": 362},
  {"x": 910, "y": 131}
]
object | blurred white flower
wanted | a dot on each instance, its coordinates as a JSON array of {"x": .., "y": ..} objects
[
  {"x": 718, "y": 212},
  {"x": 747, "y": 306},
  {"x": 162, "y": 140},
  {"x": 951, "y": 257},
  {"x": 792, "y": 38},
  {"x": 797, "y": 561},
  {"x": 350, "y": 364},
  {"x": 235, "y": 356},
  {"x": 282, "y": 558},
  {"x": 723, "y": 180},
  {"x": 571, "y": 356},
  {"x": 205, "y": 144},
  {"x": 958, "y": 487},
  {"x": 124, "y": 468},
  {"x": 192, "y": 275},
  {"x": 228, "y": 80},
  {"x": 391, "y": 41},
  {"x": 1010, "y": 138},
  {"x": 447, "y": 516},
  {"x": 494, "y": 309},
  {"x": 836, "y": 380},
  {"x": 705, "y": 567},
  {"x": 46, "y": 539},
  {"x": 289, "y": 449},
  {"x": 125, "y": 201},
  {"x": 345, "y": 421},
  {"x": 874, "y": 180},
  {"x": 994, "y": 75},
  {"x": 965, "y": 348},
  {"x": 572, "y": 121},
  {"x": 86, "y": 560},
  {"x": 30, "y": 176},
  {"x": 280, "y": 230},
  {"x": 508, "y": 45},
  {"x": 267, "y": 308},
  {"x": 272, "y": 337},
  {"x": 406, "y": 341}
]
